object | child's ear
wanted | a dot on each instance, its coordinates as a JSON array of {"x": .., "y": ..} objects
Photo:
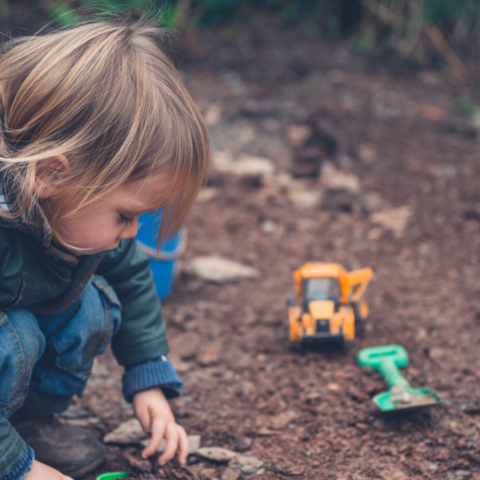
[{"x": 50, "y": 176}]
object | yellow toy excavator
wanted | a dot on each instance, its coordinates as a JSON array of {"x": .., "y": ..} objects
[{"x": 329, "y": 303}]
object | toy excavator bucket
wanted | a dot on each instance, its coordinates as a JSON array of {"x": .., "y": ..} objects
[{"x": 387, "y": 360}]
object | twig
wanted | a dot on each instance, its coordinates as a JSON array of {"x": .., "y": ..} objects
[
  {"x": 446, "y": 51},
  {"x": 382, "y": 13}
]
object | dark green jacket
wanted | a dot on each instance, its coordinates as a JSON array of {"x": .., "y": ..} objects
[{"x": 37, "y": 275}]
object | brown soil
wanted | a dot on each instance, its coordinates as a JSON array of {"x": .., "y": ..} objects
[{"x": 310, "y": 414}]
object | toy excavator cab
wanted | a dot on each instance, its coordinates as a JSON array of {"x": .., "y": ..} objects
[{"x": 330, "y": 302}]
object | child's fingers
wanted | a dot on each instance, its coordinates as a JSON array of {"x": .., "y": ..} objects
[
  {"x": 158, "y": 431},
  {"x": 183, "y": 445},
  {"x": 171, "y": 435}
]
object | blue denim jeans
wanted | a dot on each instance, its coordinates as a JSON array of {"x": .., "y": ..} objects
[{"x": 46, "y": 359}]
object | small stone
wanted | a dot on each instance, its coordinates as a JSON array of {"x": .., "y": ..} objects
[
  {"x": 394, "y": 219},
  {"x": 208, "y": 356},
  {"x": 248, "y": 465},
  {"x": 220, "y": 270},
  {"x": 250, "y": 165},
  {"x": 217, "y": 454},
  {"x": 289, "y": 470},
  {"x": 298, "y": 134},
  {"x": 206, "y": 194},
  {"x": 305, "y": 199},
  {"x": 127, "y": 433},
  {"x": 362, "y": 426},
  {"x": 268, "y": 227},
  {"x": 266, "y": 432},
  {"x": 82, "y": 422},
  {"x": 193, "y": 444},
  {"x": 333, "y": 387},
  {"x": 337, "y": 180},
  {"x": 230, "y": 474},
  {"x": 213, "y": 115},
  {"x": 208, "y": 473},
  {"x": 140, "y": 463},
  {"x": 75, "y": 412},
  {"x": 242, "y": 444}
]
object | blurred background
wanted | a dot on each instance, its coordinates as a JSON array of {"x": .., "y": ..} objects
[{"x": 428, "y": 32}]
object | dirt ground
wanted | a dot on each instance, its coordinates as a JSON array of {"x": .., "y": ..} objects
[{"x": 374, "y": 166}]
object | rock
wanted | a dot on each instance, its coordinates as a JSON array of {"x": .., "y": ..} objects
[
  {"x": 193, "y": 444},
  {"x": 140, "y": 463},
  {"x": 247, "y": 465},
  {"x": 220, "y": 270},
  {"x": 208, "y": 356},
  {"x": 337, "y": 180},
  {"x": 373, "y": 202},
  {"x": 251, "y": 165},
  {"x": 208, "y": 473},
  {"x": 269, "y": 227},
  {"x": 242, "y": 444},
  {"x": 127, "y": 433},
  {"x": 394, "y": 219},
  {"x": 246, "y": 165},
  {"x": 216, "y": 454},
  {"x": 230, "y": 474},
  {"x": 333, "y": 387},
  {"x": 289, "y": 470},
  {"x": 366, "y": 153},
  {"x": 266, "y": 432},
  {"x": 280, "y": 421},
  {"x": 305, "y": 199},
  {"x": 298, "y": 134},
  {"x": 82, "y": 422},
  {"x": 75, "y": 412},
  {"x": 206, "y": 194},
  {"x": 213, "y": 115}
]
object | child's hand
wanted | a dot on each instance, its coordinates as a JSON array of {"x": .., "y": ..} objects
[
  {"x": 154, "y": 413},
  {"x": 40, "y": 471}
]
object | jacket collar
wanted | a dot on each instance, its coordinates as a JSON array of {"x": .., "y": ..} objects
[{"x": 39, "y": 227}]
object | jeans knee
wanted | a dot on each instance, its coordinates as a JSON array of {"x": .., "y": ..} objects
[{"x": 21, "y": 346}]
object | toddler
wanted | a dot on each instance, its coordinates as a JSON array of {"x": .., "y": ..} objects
[{"x": 96, "y": 128}]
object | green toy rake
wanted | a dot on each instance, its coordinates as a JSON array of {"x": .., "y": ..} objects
[{"x": 401, "y": 396}]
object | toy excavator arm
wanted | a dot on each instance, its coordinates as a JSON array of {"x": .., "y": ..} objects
[{"x": 359, "y": 279}]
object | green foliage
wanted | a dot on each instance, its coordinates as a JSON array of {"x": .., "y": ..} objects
[
  {"x": 64, "y": 14},
  {"x": 466, "y": 107}
]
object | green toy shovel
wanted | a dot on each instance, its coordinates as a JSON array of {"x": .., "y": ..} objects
[
  {"x": 401, "y": 396},
  {"x": 112, "y": 476}
]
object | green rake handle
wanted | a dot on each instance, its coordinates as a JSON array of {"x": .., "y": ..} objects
[{"x": 387, "y": 360}]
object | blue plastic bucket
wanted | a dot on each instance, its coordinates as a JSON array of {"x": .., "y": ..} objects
[{"x": 163, "y": 263}]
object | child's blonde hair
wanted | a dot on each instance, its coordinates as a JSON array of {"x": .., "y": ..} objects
[{"x": 106, "y": 96}]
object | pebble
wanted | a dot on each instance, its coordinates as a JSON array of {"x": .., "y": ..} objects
[
  {"x": 194, "y": 442},
  {"x": 289, "y": 470},
  {"x": 127, "y": 433},
  {"x": 242, "y": 444},
  {"x": 140, "y": 463},
  {"x": 217, "y": 454},
  {"x": 394, "y": 219},
  {"x": 230, "y": 474},
  {"x": 247, "y": 465},
  {"x": 337, "y": 180},
  {"x": 220, "y": 270},
  {"x": 75, "y": 412}
]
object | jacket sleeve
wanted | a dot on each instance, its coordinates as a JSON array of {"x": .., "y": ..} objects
[
  {"x": 11, "y": 269},
  {"x": 142, "y": 335},
  {"x": 15, "y": 457}
]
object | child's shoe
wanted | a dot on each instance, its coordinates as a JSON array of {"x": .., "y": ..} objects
[{"x": 71, "y": 450}]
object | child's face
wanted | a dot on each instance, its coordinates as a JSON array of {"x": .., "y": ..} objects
[{"x": 102, "y": 226}]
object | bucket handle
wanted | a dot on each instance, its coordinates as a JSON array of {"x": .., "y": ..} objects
[{"x": 166, "y": 256}]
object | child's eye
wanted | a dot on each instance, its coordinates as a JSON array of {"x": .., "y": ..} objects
[{"x": 126, "y": 220}]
